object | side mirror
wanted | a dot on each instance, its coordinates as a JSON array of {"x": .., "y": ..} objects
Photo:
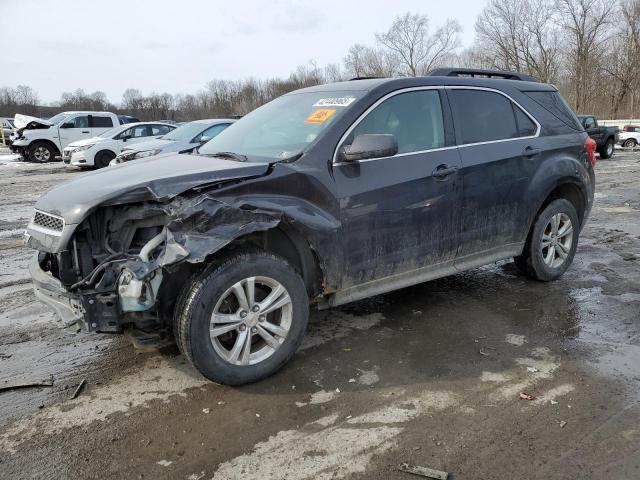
[
  {"x": 366, "y": 146},
  {"x": 204, "y": 139},
  {"x": 124, "y": 138},
  {"x": 67, "y": 125}
]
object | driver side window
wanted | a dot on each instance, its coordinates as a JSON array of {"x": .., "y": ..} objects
[
  {"x": 589, "y": 122},
  {"x": 413, "y": 118},
  {"x": 81, "y": 121}
]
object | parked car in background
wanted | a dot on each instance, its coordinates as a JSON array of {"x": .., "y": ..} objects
[
  {"x": 99, "y": 151},
  {"x": 605, "y": 137},
  {"x": 630, "y": 136},
  {"x": 182, "y": 140},
  {"x": 42, "y": 140},
  {"x": 6, "y": 126},
  {"x": 324, "y": 196},
  {"x": 124, "y": 119}
]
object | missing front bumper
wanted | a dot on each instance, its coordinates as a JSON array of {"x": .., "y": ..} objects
[{"x": 96, "y": 312}]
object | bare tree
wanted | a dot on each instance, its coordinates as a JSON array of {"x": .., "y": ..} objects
[
  {"x": 520, "y": 35},
  {"x": 587, "y": 30},
  {"x": 418, "y": 51},
  {"x": 620, "y": 61}
]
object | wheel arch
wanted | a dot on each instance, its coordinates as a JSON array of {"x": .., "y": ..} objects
[
  {"x": 45, "y": 141},
  {"x": 569, "y": 189},
  {"x": 104, "y": 150}
]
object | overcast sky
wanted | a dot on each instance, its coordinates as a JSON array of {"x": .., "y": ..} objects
[{"x": 177, "y": 46}]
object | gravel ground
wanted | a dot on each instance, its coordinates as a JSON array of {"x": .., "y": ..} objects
[{"x": 430, "y": 375}]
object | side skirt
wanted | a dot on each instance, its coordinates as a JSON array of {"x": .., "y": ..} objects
[{"x": 420, "y": 275}]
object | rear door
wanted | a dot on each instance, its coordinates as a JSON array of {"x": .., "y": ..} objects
[
  {"x": 74, "y": 128},
  {"x": 500, "y": 152},
  {"x": 400, "y": 213},
  {"x": 100, "y": 123}
]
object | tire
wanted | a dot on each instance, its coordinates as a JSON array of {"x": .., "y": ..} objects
[
  {"x": 41, "y": 152},
  {"x": 218, "y": 358},
  {"x": 103, "y": 158},
  {"x": 630, "y": 143},
  {"x": 607, "y": 149},
  {"x": 534, "y": 260}
]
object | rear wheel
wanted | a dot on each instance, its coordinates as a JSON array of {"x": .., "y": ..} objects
[
  {"x": 241, "y": 320},
  {"x": 630, "y": 143},
  {"x": 607, "y": 150},
  {"x": 102, "y": 159},
  {"x": 41, "y": 152},
  {"x": 552, "y": 242}
]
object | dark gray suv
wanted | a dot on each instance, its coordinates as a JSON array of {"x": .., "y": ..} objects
[{"x": 321, "y": 197}]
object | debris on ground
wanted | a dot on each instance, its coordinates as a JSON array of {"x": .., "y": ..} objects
[
  {"x": 526, "y": 396},
  {"x": 483, "y": 353},
  {"x": 78, "y": 388},
  {"x": 532, "y": 370},
  {"x": 553, "y": 402},
  {"x": 562, "y": 424},
  {"x": 206, "y": 410},
  {"x": 423, "y": 471},
  {"x": 5, "y": 355},
  {"x": 164, "y": 463},
  {"x": 26, "y": 382}
]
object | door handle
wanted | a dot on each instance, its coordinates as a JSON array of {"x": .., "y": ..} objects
[
  {"x": 443, "y": 171},
  {"x": 531, "y": 152},
  {"x": 86, "y": 131}
]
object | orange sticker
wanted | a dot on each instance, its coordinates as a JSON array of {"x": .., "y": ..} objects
[{"x": 320, "y": 116}]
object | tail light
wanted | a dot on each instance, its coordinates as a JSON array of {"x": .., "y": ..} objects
[{"x": 590, "y": 147}]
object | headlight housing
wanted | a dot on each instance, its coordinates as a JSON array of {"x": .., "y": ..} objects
[
  {"x": 83, "y": 148},
  {"x": 147, "y": 153}
]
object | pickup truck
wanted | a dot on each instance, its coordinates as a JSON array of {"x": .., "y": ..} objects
[
  {"x": 42, "y": 140},
  {"x": 605, "y": 137}
]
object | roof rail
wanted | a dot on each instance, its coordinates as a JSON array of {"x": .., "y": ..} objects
[
  {"x": 363, "y": 78},
  {"x": 478, "y": 72}
]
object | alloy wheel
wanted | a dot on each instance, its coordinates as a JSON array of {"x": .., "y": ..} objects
[
  {"x": 557, "y": 239},
  {"x": 251, "y": 320},
  {"x": 41, "y": 154}
]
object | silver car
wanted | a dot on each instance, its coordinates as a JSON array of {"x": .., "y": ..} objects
[{"x": 181, "y": 140}]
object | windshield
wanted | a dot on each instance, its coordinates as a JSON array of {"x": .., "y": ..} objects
[
  {"x": 186, "y": 132},
  {"x": 283, "y": 127},
  {"x": 59, "y": 118}
]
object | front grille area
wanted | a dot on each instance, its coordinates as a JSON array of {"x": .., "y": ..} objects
[{"x": 47, "y": 221}]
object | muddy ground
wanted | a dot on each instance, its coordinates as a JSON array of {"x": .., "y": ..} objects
[{"x": 429, "y": 375}]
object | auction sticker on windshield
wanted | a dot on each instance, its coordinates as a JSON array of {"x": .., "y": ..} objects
[
  {"x": 334, "y": 102},
  {"x": 320, "y": 116}
]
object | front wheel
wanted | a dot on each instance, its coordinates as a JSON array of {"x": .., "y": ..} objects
[
  {"x": 552, "y": 242},
  {"x": 242, "y": 319},
  {"x": 41, "y": 152},
  {"x": 102, "y": 159},
  {"x": 607, "y": 150},
  {"x": 630, "y": 143}
]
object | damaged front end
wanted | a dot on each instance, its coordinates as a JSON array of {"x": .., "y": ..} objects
[{"x": 123, "y": 266}]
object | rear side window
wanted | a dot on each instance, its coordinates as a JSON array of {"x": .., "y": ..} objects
[
  {"x": 413, "y": 118},
  {"x": 101, "y": 122},
  {"x": 160, "y": 129},
  {"x": 526, "y": 127},
  {"x": 482, "y": 116},
  {"x": 556, "y": 106}
]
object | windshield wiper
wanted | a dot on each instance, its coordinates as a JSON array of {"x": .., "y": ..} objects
[{"x": 232, "y": 155}]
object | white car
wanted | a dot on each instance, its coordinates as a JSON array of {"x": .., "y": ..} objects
[
  {"x": 630, "y": 136},
  {"x": 42, "y": 140},
  {"x": 99, "y": 151}
]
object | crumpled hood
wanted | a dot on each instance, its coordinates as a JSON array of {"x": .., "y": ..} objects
[
  {"x": 23, "y": 121},
  {"x": 155, "y": 178},
  {"x": 87, "y": 141}
]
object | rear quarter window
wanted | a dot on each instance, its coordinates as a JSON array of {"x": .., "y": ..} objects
[{"x": 553, "y": 103}]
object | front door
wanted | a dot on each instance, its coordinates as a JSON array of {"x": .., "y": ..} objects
[
  {"x": 400, "y": 213},
  {"x": 73, "y": 129}
]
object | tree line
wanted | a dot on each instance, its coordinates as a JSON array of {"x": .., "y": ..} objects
[{"x": 589, "y": 49}]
